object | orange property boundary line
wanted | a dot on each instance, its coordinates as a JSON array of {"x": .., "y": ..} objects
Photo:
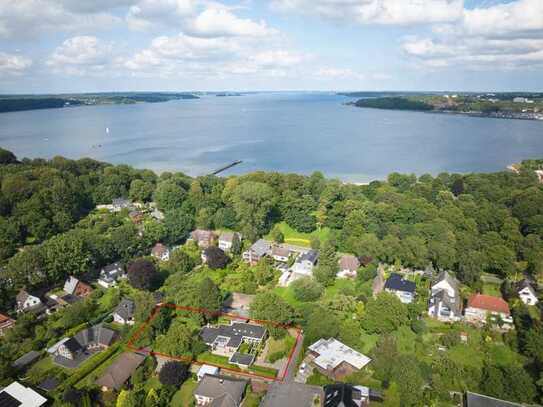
[{"x": 214, "y": 314}]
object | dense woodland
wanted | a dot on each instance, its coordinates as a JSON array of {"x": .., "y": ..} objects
[{"x": 470, "y": 224}]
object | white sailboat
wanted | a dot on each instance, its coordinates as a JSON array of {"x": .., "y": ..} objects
[{"x": 107, "y": 130}]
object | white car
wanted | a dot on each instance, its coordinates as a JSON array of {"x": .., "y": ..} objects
[{"x": 302, "y": 367}]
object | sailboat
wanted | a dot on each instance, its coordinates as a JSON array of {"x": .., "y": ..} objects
[{"x": 107, "y": 130}]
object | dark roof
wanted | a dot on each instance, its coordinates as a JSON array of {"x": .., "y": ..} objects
[
  {"x": 311, "y": 256},
  {"x": 344, "y": 395},
  {"x": 397, "y": 283},
  {"x": 480, "y": 400},
  {"x": 120, "y": 370},
  {"x": 48, "y": 384},
  {"x": 73, "y": 345},
  {"x": 235, "y": 332},
  {"x": 7, "y": 400},
  {"x": 242, "y": 359},
  {"x": 97, "y": 334},
  {"x": 453, "y": 303},
  {"x": 112, "y": 267},
  {"x": 70, "y": 298},
  {"x": 26, "y": 359},
  {"x": 524, "y": 283},
  {"x": 223, "y": 390},
  {"x": 125, "y": 309}
]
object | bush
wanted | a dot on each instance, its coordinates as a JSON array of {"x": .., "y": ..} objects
[
  {"x": 307, "y": 289},
  {"x": 173, "y": 373},
  {"x": 215, "y": 258},
  {"x": 141, "y": 274}
]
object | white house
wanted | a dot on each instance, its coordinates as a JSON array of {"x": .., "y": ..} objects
[
  {"x": 110, "y": 274},
  {"x": 403, "y": 289},
  {"x": 17, "y": 395},
  {"x": 304, "y": 264},
  {"x": 124, "y": 313},
  {"x": 259, "y": 249},
  {"x": 445, "y": 301},
  {"x": 481, "y": 306},
  {"x": 207, "y": 369},
  {"x": 25, "y": 301},
  {"x": 226, "y": 240},
  {"x": 527, "y": 293}
]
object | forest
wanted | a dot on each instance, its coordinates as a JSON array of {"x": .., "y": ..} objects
[{"x": 475, "y": 225}]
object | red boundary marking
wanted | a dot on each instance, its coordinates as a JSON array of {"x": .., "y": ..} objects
[{"x": 154, "y": 313}]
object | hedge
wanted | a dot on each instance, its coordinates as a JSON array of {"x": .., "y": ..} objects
[{"x": 90, "y": 365}]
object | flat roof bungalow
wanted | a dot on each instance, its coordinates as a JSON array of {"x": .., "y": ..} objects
[
  {"x": 17, "y": 395},
  {"x": 335, "y": 359}
]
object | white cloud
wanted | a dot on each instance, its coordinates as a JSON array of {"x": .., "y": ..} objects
[
  {"x": 219, "y": 21},
  {"x": 501, "y": 36},
  {"x": 146, "y": 14},
  {"x": 399, "y": 12},
  {"x": 82, "y": 55},
  {"x": 11, "y": 64},
  {"x": 27, "y": 18}
]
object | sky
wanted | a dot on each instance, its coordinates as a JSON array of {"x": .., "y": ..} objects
[{"x": 62, "y": 46}]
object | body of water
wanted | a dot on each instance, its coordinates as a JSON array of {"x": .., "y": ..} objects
[{"x": 286, "y": 132}]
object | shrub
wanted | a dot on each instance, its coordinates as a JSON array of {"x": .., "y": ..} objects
[{"x": 173, "y": 373}]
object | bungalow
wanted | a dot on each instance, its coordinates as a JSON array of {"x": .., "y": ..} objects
[
  {"x": 403, "y": 289},
  {"x": 259, "y": 249},
  {"x": 226, "y": 340},
  {"x": 481, "y": 306},
  {"x": 335, "y": 359},
  {"x": 124, "y": 313},
  {"x": 110, "y": 274},
  {"x": 280, "y": 253},
  {"x": 216, "y": 390},
  {"x": 204, "y": 238},
  {"x": 527, "y": 293},
  {"x": 206, "y": 369},
  {"x": 17, "y": 395},
  {"x": 445, "y": 301},
  {"x": 226, "y": 240},
  {"x": 348, "y": 266},
  {"x": 27, "y": 302},
  {"x": 5, "y": 324},
  {"x": 120, "y": 371},
  {"x": 304, "y": 264},
  {"x": 160, "y": 252},
  {"x": 73, "y": 286}
]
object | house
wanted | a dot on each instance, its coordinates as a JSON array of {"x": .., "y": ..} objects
[
  {"x": 110, "y": 274},
  {"x": 160, "y": 252},
  {"x": 403, "y": 289},
  {"x": 280, "y": 253},
  {"x": 26, "y": 360},
  {"x": 17, "y": 395},
  {"x": 445, "y": 301},
  {"x": 5, "y": 324},
  {"x": 27, "y": 302},
  {"x": 119, "y": 204},
  {"x": 527, "y": 293},
  {"x": 206, "y": 369},
  {"x": 343, "y": 395},
  {"x": 481, "y": 306},
  {"x": 73, "y": 286},
  {"x": 304, "y": 263},
  {"x": 219, "y": 391},
  {"x": 292, "y": 394},
  {"x": 335, "y": 359},
  {"x": 480, "y": 400},
  {"x": 226, "y": 240},
  {"x": 124, "y": 313},
  {"x": 259, "y": 249},
  {"x": 120, "y": 371},
  {"x": 204, "y": 238},
  {"x": 348, "y": 266},
  {"x": 71, "y": 352},
  {"x": 225, "y": 340}
]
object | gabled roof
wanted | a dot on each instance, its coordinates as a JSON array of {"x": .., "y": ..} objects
[
  {"x": 113, "y": 267},
  {"x": 344, "y": 395},
  {"x": 397, "y": 283},
  {"x": 453, "y": 303},
  {"x": 200, "y": 234},
  {"x": 480, "y": 400},
  {"x": 26, "y": 359},
  {"x": 348, "y": 262},
  {"x": 261, "y": 247},
  {"x": 522, "y": 284},
  {"x": 448, "y": 277},
  {"x": 488, "y": 303},
  {"x": 125, "y": 309},
  {"x": 280, "y": 251},
  {"x": 16, "y": 395},
  {"x": 22, "y": 295},
  {"x": 227, "y": 236},
  {"x": 5, "y": 319},
  {"x": 70, "y": 284},
  {"x": 97, "y": 334},
  {"x": 72, "y": 345},
  {"x": 159, "y": 250},
  {"x": 311, "y": 256},
  {"x": 223, "y": 390},
  {"x": 120, "y": 370}
]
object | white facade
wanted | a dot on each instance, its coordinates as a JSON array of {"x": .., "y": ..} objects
[
  {"x": 207, "y": 369},
  {"x": 474, "y": 314},
  {"x": 25, "y": 395},
  {"x": 404, "y": 296},
  {"x": 120, "y": 320},
  {"x": 527, "y": 296},
  {"x": 30, "y": 302}
]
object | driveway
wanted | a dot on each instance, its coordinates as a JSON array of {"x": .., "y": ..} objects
[{"x": 288, "y": 372}]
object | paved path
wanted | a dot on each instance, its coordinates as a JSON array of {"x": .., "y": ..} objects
[{"x": 290, "y": 373}]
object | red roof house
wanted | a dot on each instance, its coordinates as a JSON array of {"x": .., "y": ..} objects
[{"x": 489, "y": 303}]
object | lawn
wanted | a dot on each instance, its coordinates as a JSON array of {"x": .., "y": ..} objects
[
  {"x": 298, "y": 238},
  {"x": 287, "y": 293},
  {"x": 492, "y": 289},
  {"x": 184, "y": 397},
  {"x": 252, "y": 399},
  {"x": 340, "y": 286}
]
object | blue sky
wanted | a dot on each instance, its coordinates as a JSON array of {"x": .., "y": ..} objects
[{"x": 176, "y": 45}]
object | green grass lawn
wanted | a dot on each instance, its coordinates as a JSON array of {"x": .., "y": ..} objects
[
  {"x": 492, "y": 289},
  {"x": 340, "y": 286},
  {"x": 252, "y": 399},
  {"x": 287, "y": 293},
  {"x": 298, "y": 238},
  {"x": 184, "y": 397}
]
